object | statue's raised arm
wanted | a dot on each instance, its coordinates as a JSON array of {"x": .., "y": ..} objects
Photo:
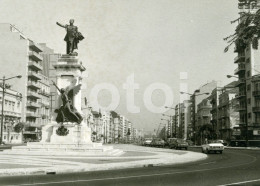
[
  {"x": 56, "y": 86},
  {"x": 61, "y": 25}
]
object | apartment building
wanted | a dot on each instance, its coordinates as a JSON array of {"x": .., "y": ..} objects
[
  {"x": 228, "y": 116},
  {"x": 12, "y": 115},
  {"x": 27, "y": 59}
]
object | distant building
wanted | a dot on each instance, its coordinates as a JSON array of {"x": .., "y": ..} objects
[
  {"x": 50, "y": 58},
  {"x": 214, "y": 100},
  {"x": 196, "y": 98},
  {"x": 203, "y": 114},
  {"x": 12, "y": 115}
]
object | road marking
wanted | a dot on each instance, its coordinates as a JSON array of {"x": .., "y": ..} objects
[
  {"x": 237, "y": 183},
  {"x": 208, "y": 163}
]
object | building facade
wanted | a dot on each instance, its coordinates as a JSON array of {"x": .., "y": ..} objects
[{"x": 12, "y": 115}]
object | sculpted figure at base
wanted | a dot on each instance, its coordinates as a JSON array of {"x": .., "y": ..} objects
[
  {"x": 72, "y": 37},
  {"x": 67, "y": 112}
]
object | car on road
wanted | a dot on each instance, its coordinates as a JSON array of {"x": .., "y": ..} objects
[
  {"x": 157, "y": 142},
  {"x": 212, "y": 146},
  {"x": 224, "y": 142},
  {"x": 178, "y": 144},
  {"x": 147, "y": 142}
]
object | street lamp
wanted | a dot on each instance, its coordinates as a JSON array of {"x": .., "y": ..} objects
[
  {"x": 194, "y": 109},
  {"x": 3, "y": 99}
]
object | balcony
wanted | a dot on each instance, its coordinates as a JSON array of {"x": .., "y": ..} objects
[
  {"x": 35, "y": 47},
  {"x": 35, "y": 56},
  {"x": 241, "y": 108},
  {"x": 239, "y": 58},
  {"x": 241, "y": 68},
  {"x": 33, "y": 104},
  {"x": 242, "y": 123},
  {"x": 34, "y": 65},
  {"x": 257, "y": 124},
  {"x": 34, "y": 75},
  {"x": 224, "y": 115},
  {"x": 46, "y": 105},
  {"x": 241, "y": 95},
  {"x": 32, "y": 115},
  {"x": 33, "y": 95},
  {"x": 44, "y": 93},
  {"x": 240, "y": 82},
  {"x": 33, "y": 85},
  {"x": 256, "y": 109},
  {"x": 256, "y": 93}
]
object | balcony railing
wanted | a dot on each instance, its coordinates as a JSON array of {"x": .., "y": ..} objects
[
  {"x": 256, "y": 124},
  {"x": 34, "y": 65},
  {"x": 44, "y": 93},
  {"x": 35, "y": 47},
  {"x": 35, "y": 56},
  {"x": 33, "y": 94},
  {"x": 33, "y": 104},
  {"x": 256, "y": 109},
  {"x": 241, "y": 68},
  {"x": 256, "y": 93},
  {"x": 240, "y": 95},
  {"x": 240, "y": 82},
  {"x": 32, "y": 115},
  {"x": 34, "y": 75},
  {"x": 239, "y": 58},
  {"x": 33, "y": 85},
  {"x": 240, "y": 108}
]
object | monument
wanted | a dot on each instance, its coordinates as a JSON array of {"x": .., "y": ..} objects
[{"x": 68, "y": 134}]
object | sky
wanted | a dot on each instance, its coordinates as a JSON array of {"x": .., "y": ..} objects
[{"x": 154, "y": 40}]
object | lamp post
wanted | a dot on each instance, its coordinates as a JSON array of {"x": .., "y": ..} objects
[
  {"x": 3, "y": 99},
  {"x": 194, "y": 95}
]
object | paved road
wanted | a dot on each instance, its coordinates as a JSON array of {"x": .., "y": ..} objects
[{"x": 233, "y": 166}]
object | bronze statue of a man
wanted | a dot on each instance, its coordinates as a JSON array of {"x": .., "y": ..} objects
[{"x": 72, "y": 37}]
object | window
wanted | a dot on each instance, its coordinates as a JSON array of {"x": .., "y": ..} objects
[
  {"x": 248, "y": 86},
  {"x": 248, "y": 60},
  {"x": 248, "y": 73},
  {"x": 249, "y": 115},
  {"x": 249, "y": 101}
]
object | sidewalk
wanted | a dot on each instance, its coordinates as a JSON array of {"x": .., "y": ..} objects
[
  {"x": 239, "y": 148},
  {"x": 134, "y": 156}
]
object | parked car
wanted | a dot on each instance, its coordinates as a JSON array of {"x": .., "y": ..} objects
[
  {"x": 168, "y": 141},
  {"x": 179, "y": 144},
  {"x": 212, "y": 146},
  {"x": 147, "y": 142},
  {"x": 224, "y": 142},
  {"x": 190, "y": 142},
  {"x": 157, "y": 142}
]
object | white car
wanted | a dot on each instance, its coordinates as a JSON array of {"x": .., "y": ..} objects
[
  {"x": 147, "y": 142},
  {"x": 212, "y": 146}
]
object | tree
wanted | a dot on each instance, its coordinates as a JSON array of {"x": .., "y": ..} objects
[
  {"x": 19, "y": 127},
  {"x": 247, "y": 31}
]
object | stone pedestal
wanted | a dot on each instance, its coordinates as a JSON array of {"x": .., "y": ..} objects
[{"x": 77, "y": 134}]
